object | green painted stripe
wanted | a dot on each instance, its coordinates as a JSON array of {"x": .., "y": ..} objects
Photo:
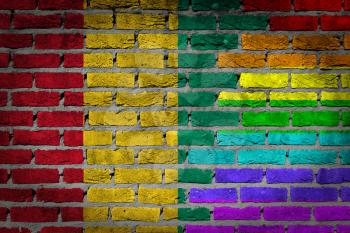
[
  {"x": 335, "y": 103},
  {"x": 293, "y": 103},
  {"x": 242, "y": 103}
]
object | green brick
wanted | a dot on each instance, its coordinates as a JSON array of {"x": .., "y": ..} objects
[
  {"x": 195, "y": 214},
  {"x": 182, "y": 155},
  {"x": 182, "y": 41},
  {"x": 265, "y": 118},
  {"x": 203, "y": 118},
  {"x": 214, "y": 41},
  {"x": 335, "y": 103},
  {"x": 181, "y": 193},
  {"x": 293, "y": 103},
  {"x": 184, "y": 4},
  {"x": 195, "y": 175},
  {"x": 197, "y": 99},
  {"x": 196, "y": 137},
  {"x": 197, "y": 22},
  {"x": 182, "y": 118},
  {"x": 345, "y": 117},
  {"x": 180, "y": 229},
  {"x": 196, "y": 60},
  {"x": 239, "y": 22},
  {"x": 242, "y": 103},
  {"x": 182, "y": 80},
  {"x": 315, "y": 118},
  {"x": 207, "y": 5},
  {"x": 213, "y": 80}
]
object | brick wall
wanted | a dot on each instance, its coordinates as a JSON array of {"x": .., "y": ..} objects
[{"x": 163, "y": 116}]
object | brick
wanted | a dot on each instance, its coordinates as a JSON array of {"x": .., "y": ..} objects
[
  {"x": 61, "y": 230},
  {"x": 172, "y": 99},
  {"x": 287, "y": 61},
  {"x": 230, "y": 60},
  {"x": 242, "y": 99},
  {"x": 170, "y": 176},
  {"x": 59, "y": 41},
  {"x": 140, "y": 21},
  {"x": 212, "y": 80},
  {"x": 60, "y": 119},
  {"x": 293, "y": 23},
  {"x": 196, "y": 22},
  {"x": 34, "y": 214},
  {"x": 15, "y": 156},
  {"x": 196, "y": 60},
  {"x": 117, "y": 41},
  {"x": 95, "y": 214},
  {"x": 5, "y": 21},
  {"x": 3, "y": 176},
  {"x": 209, "y": 229},
  {"x": 229, "y": 213},
  {"x": 4, "y": 137},
  {"x": 267, "y": 5},
  {"x": 59, "y": 80},
  {"x": 272, "y": 80},
  {"x": 314, "y": 81},
  {"x": 244, "y": 175},
  {"x": 333, "y": 176},
  {"x": 159, "y": 5},
  {"x": 332, "y": 213},
  {"x": 73, "y": 138},
  {"x": 73, "y": 60},
  {"x": 97, "y": 176},
  {"x": 73, "y": 175},
  {"x": 139, "y": 138},
  {"x": 287, "y": 213},
  {"x": 98, "y": 60},
  {"x": 240, "y": 137},
  {"x": 306, "y": 228},
  {"x": 347, "y": 5},
  {"x": 35, "y": 176},
  {"x": 334, "y": 61},
  {"x": 264, "y": 42},
  {"x": 334, "y": 138},
  {"x": 214, "y": 41},
  {"x": 109, "y": 157},
  {"x": 345, "y": 157},
  {"x": 243, "y": 22},
  {"x": 347, "y": 41},
  {"x": 59, "y": 195},
  {"x": 206, "y": 119},
  {"x": 214, "y": 195},
  {"x": 112, "y": 118},
  {"x": 3, "y": 98},
  {"x": 115, "y": 195},
  {"x": 289, "y": 137},
  {"x": 198, "y": 5},
  {"x": 160, "y": 229},
  {"x": 3, "y": 214},
  {"x": 317, "y": 5},
  {"x": 61, "y": 5},
  {"x": 343, "y": 228},
  {"x": 98, "y": 98},
  {"x": 58, "y": 157},
  {"x": 142, "y": 99},
  {"x": 110, "y": 80},
  {"x": 35, "y": 99},
  {"x": 158, "y": 156},
  {"x": 194, "y": 214},
  {"x": 158, "y": 196},
  {"x": 210, "y": 156},
  {"x": 335, "y": 23},
  {"x": 15, "y": 80},
  {"x": 144, "y": 214},
  {"x": 301, "y": 175},
  {"x": 196, "y": 99},
  {"x": 293, "y": 99},
  {"x": 69, "y": 214},
  {"x": 345, "y": 194},
  {"x": 101, "y": 4},
  {"x": 196, "y": 137},
  {"x": 195, "y": 175},
  {"x": 158, "y": 41},
  {"x": 263, "y": 194},
  {"x": 265, "y": 119},
  {"x": 73, "y": 20},
  {"x": 114, "y": 229},
  {"x": 4, "y": 59},
  {"x": 315, "y": 42},
  {"x": 158, "y": 118},
  {"x": 138, "y": 175},
  {"x": 16, "y": 195},
  {"x": 140, "y": 60},
  {"x": 169, "y": 213},
  {"x": 15, "y": 41},
  {"x": 315, "y": 118},
  {"x": 305, "y": 194},
  {"x": 312, "y": 157},
  {"x": 98, "y": 21},
  {"x": 18, "y": 5},
  {"x": 97, "y": 138},
  {"x": 16, "y": 118},
  {"x": 23, "y": 21},
  {"x": 36, "y": 60},
  {"x": 36, "y": 138},
  {"x": 277, "y": 157},
  {"x": 157, "y": 80},
  {"x": 345, "y": 118}
]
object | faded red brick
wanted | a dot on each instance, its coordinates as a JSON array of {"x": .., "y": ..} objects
[
  {"x": 36, "y": 138},
  {"x": 59, "y": 80},
  {"x": 22, "y": 21},
  {"x": 335, "y": 23},
  {"x": 15, "y": 156},
  {"x": 60, "y": 195},
  {"x": 15, "y": 41},
  {"x": 73, "y": 99},
  {"x": 73, "y": 20},
  {"x": 16, "y": 80},
  {"x": 36, "y": 60},
  {"x": 5, "y": 21},
  {"x": 267, "y": 5},
  {"x": 16, "y": 195},
  {"x": 34, "y": 214},
  {"x": 317, "y": 5},
  {"x": 61, "y": 230},
  {"x": 35, "y": 176},
  {"x": 61, "y": 5},
  {"x": 71, "y": 214},
  {"x": 17, "y": 4},
  {"x": 59, "y": 157},
  {"x": 16, "y": 118},
  {"x": 59, "y": 41},
  {"x": 293, "y": 23},
  {"x": 4, "y": 59},
  {"x": 35, "y": 99},
  {"x": 73, "y": 138},
  {"x": 73, "y": 175},
  {"x": 4, "y": 138},
  {"x": 73, "y": 60}
]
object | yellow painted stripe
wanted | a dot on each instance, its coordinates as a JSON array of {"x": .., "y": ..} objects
[
  {"x": 314, "y": 81},
  {"x": 156, "y": 229},
  {"x": 293, "y": 96},
  {"x": 242, "y": 96},
  {"x": 335, "y": 95},
  {"x": 158, "y": 196},
  {"x": 107, "y": 229},
  {"x": 110, "y": 80},
  {"x": 110, "y": 157},
  {"x": 106, "y": 195},
  {"x": 272, "y": 80},
  {"x": 98, "y": 60},
  {"x": 135, "y": 214}
]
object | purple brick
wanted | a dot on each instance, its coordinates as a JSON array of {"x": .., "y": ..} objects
[
  {"x": 275, "y": 176},
  {"x": 287, "y": 213},
  {"x": 229, "y": 213},
  {"x": 345, "y": 194},
  {"x": 218, "y": 195},
  {"x": 209, "y": 229},
  {"x": 333, "y": 176},
  {"x": 310, "y": 229},
  {"x": 244, "y": 175},
  {"x": 261, "y": 229},
  {"x": 257, "y": 194},
  {"x": 343, "y": 228},
  {"x": 332, "y": 213},
  {"x": 305, "y": 194}
]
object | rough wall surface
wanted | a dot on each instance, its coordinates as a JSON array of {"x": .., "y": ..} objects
[{"x": 163, "y": 116}]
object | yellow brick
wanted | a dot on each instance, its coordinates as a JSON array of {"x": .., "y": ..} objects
[
  {"x": 139, "y": 138},
  {"x": 140, "y": 21},
  {"x": 110, "y": 41},
  {"x": 172, "y": 99},
  {"x": 98, "y": 98},
  {"x": 264, "y": 42},
  {"x": 113, "y": 118},
  {"x": 171, "y": 176},
  {"x": 156, "y": 229},
  {"x": 105, "y": 229},
  {"x": 157, "y": 80},
  {"x": 135, "y": 214},
  {"x": 157, "y": 196},
  {"x": 116, "y": 195},
  {"x": 158, "y": 156},
  {"x": 158, "y": 118},
  {"x": 95, "y": 214},
  {"x": 171, "y": 138},
  {"x": 325, "y": 95},
  {"x": 299, "y": 61},
  {"x": 98, "y": 60},
  {"x": 140, "y": 60},
  {"x": 252, "y": 80},
  {"x": 158, "y": 41},
  {"x": 335, "y": 61},
  {"x": 173, "y": 22},
  {"x": 170, "y": 213},
  {"x": 241, "y": 96},
  {"x": 97, "y": 176},
  {"x": 110, "y": 80},
  {"x": 98, "y": 21},
  {"x": 110, "y": 157},
  {"x": 173, "y": 60},
  {"x": 97, "y": 138},
  {"x": 159, "y": 4},
  {"x": 142, "y": 99},
  {"x": 345, "y": 80},
  {"x": 314, "y": 81},
  {"x": 110, "y": 4},
  {"x": 138, "y": 176},
  {"x": 293, "y": 96}
]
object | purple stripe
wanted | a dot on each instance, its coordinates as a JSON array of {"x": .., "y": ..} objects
[
  {"x": 209, "y": 229},
  {"x": 257, "y": 194},
  {"x": 310, "y": 229},
  {"x": 343, "y": 228},
  {"x": 261, "y": 229},
  {"x": 219, "y": 195},
  {"x": 244, "y": 175},
  {"x": 287, "y": 213},
  {"x": 228, "y": 213}
]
